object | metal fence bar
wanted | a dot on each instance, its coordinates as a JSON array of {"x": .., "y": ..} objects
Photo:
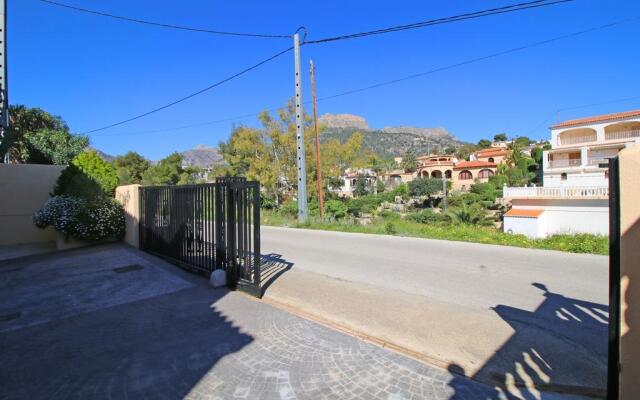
[{"x": 204, "y": 227}]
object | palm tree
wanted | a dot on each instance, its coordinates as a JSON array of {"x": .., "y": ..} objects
[{"x": 469, "y": 214}]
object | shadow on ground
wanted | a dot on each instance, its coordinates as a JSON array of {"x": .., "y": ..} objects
[
  {"x": 157, "y": 347},
  {"x": 272, "y": 266},
  {"x": 534, "y": 363}
]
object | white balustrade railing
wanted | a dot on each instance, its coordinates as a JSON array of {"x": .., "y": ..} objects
[
  {"x": 559, "y": 192},
  {"x": 563, "y": 141},
  {"x": 622, "y": 135},
  {"x": 566, "y": 162}
]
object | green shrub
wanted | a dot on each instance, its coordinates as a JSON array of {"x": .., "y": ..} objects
[
  {"x": 336, "y": 209},
  {"x": 468, "y": 214},
  {"x": 289, "y": 209},
  {"x": 425, "y": 217},
  {"x": 387, "y": 214},
  {"x": 267, "y": 203},
  {"x": 366, "y": 204},
  {"x": 578, "y": 243},
  {"x": 88, "y": 176},
  {"x": 81, "y": 218},
  {"x": 390, "y": 228}
]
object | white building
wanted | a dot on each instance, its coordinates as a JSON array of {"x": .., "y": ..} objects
[
  {"x": 350, "y": 178},
  {"x": 574, "y": 197}
]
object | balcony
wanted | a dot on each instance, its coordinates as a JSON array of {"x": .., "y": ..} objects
[
  {"x": 622, "y": 135},
  {"x": 565, "y": 163},
  {"x": 577, "y": 192},
  {"x": 566, "y": 141}
]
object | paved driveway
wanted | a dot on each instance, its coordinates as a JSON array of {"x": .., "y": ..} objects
[{"x": 111, "y": 322}]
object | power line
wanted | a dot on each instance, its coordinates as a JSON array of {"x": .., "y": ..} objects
[
  {"x": 438, "y": 21},
  {"x": 478, "y": 59},
  {"x": 414, "y": 76},
  {"x": 557, "y": 111},
  {"x": 599, "y": 104},
  {"x": 244, "y": 71},
  {"x": 162, "y": 25}
]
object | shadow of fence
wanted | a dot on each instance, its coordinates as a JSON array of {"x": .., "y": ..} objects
[
  {"x": 559, "y": 347},
  {"x": 272, "y": 266}
]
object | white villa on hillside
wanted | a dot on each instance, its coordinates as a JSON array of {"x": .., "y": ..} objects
[{"x": 574, "y": 196}]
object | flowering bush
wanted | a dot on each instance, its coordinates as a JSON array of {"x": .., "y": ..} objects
[{"x": 83, "y": 219}]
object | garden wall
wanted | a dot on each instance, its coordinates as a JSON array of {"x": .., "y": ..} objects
[
  {"x": 24, "y": 188},
  {"x": 129, "y": 197},
  {"x": 630, "y": 272}
]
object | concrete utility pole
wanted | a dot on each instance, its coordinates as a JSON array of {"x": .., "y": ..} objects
[
  {"x": 4, "y": 88},
  {"x": 315, "y": 127},
  {"x": 444, "y": 193},
  {"x": 300, "y": 159}
]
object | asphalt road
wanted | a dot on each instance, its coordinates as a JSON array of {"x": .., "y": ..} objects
[
  {"x": 528, "y": 321},
  {"x": 467, "y": 274}
]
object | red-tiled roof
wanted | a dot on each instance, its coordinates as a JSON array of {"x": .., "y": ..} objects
[
  {"x": 518, "y": 212},
  {"x": 491, "y": 152},
  {"x": 598, "y": 118},
  {"x": 474, "y": 164}
]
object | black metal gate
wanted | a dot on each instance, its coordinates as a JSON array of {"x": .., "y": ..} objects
[{"x": 206, "y": 227}]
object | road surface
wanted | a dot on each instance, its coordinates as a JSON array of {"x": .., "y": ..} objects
[
  {"x": 527, "y": 321},
  {"x": 468, "y": 274}
]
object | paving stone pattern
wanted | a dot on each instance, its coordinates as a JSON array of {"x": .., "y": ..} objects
[{"x": 194, "y": 342}]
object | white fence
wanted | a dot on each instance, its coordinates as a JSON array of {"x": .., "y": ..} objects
[{"x": 556, "y": 192}]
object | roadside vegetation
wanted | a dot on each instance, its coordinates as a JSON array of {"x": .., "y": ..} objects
[{"x": 393, "y": 224}]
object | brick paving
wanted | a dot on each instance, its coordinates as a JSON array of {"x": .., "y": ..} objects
[{"x": 179, "y": 338}]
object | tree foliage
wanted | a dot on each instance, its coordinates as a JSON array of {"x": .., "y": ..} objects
[
  {"x": 169, "y": 171},
  {"x": 268, "y": 154},
  {"x": 425, "y": 186},
  {"x": 410, "y": 161},
  {"x": 88, "y": 176},
  {"x": 500, "y": 137},
  {"x": 36, "y": 137},
  {"x": 130, "y": 167},
  {"x": 360, "y": 188}
]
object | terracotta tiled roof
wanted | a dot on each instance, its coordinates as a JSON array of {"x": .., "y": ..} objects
[
  {"x": 474, "y": 164},
  {"x": 491, "y": 152},
  {"x": 598, "y": 118},
  {"x": 518, "y": 212}
]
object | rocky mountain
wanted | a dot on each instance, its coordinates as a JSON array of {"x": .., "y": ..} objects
[
  {"x": 201, "y": 156},
  {"x": 388, "y": 141},
  {"x": 340, "y": 121},
  {"x": 106, "y": 157}
]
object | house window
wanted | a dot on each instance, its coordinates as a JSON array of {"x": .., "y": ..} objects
[
  {"x": 563, "y": 176},
  {"x": 465, "y": 175},
  {"x": 606, "y": 174},
  {"x": 491, "y": 159},
  {"x": 485, "y": 173}
]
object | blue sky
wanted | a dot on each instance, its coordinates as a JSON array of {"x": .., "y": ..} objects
[{"x": 94, "y": 71}]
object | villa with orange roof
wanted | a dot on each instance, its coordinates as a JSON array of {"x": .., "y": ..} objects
[
  {"x": 574, "y": 195},
  {"x": 466, "y": 173},
  {"x": 495, "y": 155}
]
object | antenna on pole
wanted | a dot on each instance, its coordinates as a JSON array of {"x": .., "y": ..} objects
[
  {"x": 300, "y": 157},
  {"x": 312, "y": 72}
]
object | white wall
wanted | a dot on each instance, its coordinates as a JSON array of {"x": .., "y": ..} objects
[
  {"x": 524, "y": 226},
  {"x": 577, "y": 178},
  {"x": 562, "y": 216}
]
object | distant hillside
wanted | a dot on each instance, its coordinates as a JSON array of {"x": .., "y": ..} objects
[
  {"x": 106, "y": 157},
  {"x": 202, "y": 156},
  {"x": 389, "y": 141}
]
